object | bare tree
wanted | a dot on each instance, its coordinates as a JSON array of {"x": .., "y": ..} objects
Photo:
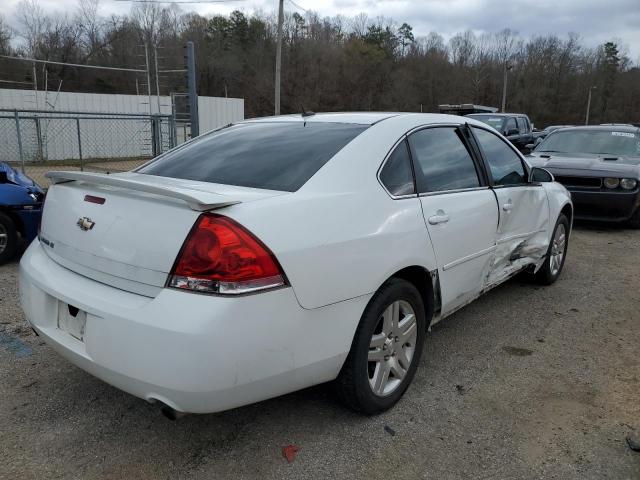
[
  {"x": 34, "y": 22},
  {"x": 6, "y": 35},
  {"x": 147, "y": 17}
]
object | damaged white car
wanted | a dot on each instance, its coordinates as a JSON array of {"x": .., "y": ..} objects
[{"x": 279, "y": 253}]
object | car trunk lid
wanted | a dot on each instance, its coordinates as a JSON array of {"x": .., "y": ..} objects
[{"x": 126, "y": 230}]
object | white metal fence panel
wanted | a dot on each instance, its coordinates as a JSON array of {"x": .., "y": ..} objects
[{"x": 213, "y": 112}]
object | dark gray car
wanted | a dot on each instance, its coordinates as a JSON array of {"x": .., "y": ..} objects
[
  {"x": 600, "y": 166},
  {"x": 515, "y": 126}
]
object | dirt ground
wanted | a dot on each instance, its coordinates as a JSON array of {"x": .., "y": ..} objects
[
  {"x": 36, "y": 171},
  {"x": 527, "y": 382}
]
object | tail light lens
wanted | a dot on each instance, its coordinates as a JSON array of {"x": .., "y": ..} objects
[{"x": 221, "y": 256}]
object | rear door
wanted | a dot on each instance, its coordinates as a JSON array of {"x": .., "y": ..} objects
[
  {"x": 523, "y": 207},
  {"x": 460, "y": 211}
]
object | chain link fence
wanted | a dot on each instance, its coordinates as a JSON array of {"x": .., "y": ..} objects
[{"x": 39, "y": 141}]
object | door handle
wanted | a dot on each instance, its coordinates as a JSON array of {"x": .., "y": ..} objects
[
  {"x": 439, "y": 217},
  {"x": 507, "y": 207}
]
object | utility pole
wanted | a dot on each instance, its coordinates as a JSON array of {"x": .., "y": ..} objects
[
  {"x": 155, "y": 57},
  {"x": 279, "y": 55},
  {"x": 586, "y": 120},
  {"x": 507, "y": 67},
  {"x": 146, "y": 59}
]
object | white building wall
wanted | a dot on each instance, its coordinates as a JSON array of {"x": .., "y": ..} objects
[{"x": 100, "y": 138}]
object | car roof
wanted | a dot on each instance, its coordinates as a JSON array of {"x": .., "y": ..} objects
[
  {"x": 360, "y": 118},
  {"x": 605, "y": 128},
  {"x": 498, "y": 114}
]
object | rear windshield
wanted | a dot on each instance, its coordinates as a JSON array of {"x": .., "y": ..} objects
[
  {"x": 275, "y": 156},
  {"x": 601, "y": 142},
  {"x": 495, "y": 122}
]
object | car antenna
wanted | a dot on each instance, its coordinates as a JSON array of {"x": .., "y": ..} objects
[{"x": 305, "y": 113}]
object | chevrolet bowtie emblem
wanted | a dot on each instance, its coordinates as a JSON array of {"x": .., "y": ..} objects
[{"x": 85, "y": 223}]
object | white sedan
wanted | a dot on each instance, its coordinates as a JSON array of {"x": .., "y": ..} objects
[{"x": 279, "y": 253}]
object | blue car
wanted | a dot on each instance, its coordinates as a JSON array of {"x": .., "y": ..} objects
[{"x": 21, "y": 202}]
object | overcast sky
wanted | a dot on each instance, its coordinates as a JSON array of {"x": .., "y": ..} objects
[{"x": 596, "y": 21}]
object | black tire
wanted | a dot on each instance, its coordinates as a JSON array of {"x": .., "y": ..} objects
[
  {"x": 8, "y": 228},
  {"x": 634, "y": 221},
  {"x": 547, "y": 274},
  {"x": 353, "y": 384}
]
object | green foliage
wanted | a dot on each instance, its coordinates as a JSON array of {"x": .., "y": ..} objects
[{"x": 341, "y": 64}]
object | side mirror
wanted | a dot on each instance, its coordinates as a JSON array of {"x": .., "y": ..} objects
[
  {"x": 540, "y": 175},
  {"x": 530, "y": 146},
  {"x": 513, "y": 131},
  {"x": 3, "y": 177}
]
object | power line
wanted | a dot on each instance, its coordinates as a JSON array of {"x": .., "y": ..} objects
[
  {"x": 25, "y": 59},
  {"x": 298, "y": 6},
  {"x": 180, "y": 1}
]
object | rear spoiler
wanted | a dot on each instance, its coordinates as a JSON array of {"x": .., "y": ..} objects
[{"x": 197, "y": 200}]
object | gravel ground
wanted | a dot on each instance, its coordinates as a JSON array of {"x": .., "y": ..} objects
[{"x": 526, "y": 382}]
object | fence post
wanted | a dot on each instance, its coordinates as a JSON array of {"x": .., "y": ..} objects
[
  {"x": 193, "y": 93},
  {"x": 19, "y": 140},
  {"x": 79, "y": 144},
  {"x": 160, "y": 141},
  {"x": 172, "y": 132},
  {"x": 39, "y": 139},
  {"x": 154, "y": 136}
]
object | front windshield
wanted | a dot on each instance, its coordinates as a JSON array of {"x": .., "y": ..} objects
[
  {"x": 495, "y": 122},
  {"x": 598, "y": 142}
]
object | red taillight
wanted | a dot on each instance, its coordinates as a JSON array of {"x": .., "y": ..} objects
[{"x": 221, "y": 256}]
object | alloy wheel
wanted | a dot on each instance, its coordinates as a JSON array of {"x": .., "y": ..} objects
[
  {"x": 558, "y": 248},
  {"x": 4, "y": 238},
  {"x": 392, "y": 348}
]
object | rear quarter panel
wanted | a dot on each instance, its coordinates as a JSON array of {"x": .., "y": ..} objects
[{"x": 341, "y": 235}]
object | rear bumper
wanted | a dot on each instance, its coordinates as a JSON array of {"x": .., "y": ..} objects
[
  {"x": 616, "y": 206},
  {"x": 195, "y": 353}
]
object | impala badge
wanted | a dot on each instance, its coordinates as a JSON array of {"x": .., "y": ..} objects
[{"x": 85, "y": 223}]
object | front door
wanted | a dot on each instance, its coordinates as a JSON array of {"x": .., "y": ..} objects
[
  {"x": 522, "y": 234},
  {"x": 460, "y": 212}
]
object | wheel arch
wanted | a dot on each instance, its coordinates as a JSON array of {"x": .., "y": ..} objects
[
  {"x": 428, "y": 285},
  {"x": 567, "y": 210}
]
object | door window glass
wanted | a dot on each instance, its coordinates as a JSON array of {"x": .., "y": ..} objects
[
  {"x": 505, "y": 165},
  {"x": 510, "y": 126},
  {"x": 442, "y": 160},
  {"x": 396, "y": 174}
]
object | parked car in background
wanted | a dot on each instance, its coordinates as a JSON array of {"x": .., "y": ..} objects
[
  {"x": 515, "y": 126},
  {"x": 600, "y": 166},
  {"x": 540, "y": 135},
  {"x": 279, "y": 253},
  {"x": 20, "y": 210}
]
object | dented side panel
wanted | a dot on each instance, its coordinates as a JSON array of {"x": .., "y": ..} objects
[{"x": 523, "y": 232}]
